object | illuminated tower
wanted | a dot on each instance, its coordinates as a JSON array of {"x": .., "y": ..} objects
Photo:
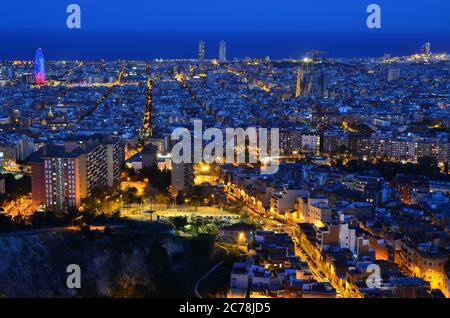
[
  {"x": 222, "y": 51},
  {"x": 201, "y": 51},
  {"x": 39, "y": 68},
  {"x": 298, "y": 90}
]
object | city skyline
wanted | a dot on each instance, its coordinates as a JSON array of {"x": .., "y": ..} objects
[
  {"x": 239, "y": 45},
  {"x": 290, "y": 150}
]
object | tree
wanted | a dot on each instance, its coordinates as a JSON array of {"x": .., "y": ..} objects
[
  {"x": 209, "y": 229},
  {"x": 131, "y": 195},
  {"x": 179, "y": 198},
  {"x": 159, "y": 179},
  {"x": 151, "y": 191},
  {"x": 6, "y": 223},
  {"x": 17, "y": 187},
  {"x": 428, "y": 166},
  {"x": 162, "y": 198},
  {"x": 179, "y": 222}
]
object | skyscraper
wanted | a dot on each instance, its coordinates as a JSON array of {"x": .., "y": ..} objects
[
  {"x": 201, "y": 51},
  {"x": 39, "y": 68},
  {"x": 222, "y": 51}
]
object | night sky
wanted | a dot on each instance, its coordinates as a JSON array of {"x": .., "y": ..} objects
[{"x": 226, "y": 15}]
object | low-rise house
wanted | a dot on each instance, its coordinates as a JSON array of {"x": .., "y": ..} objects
[{"x": 238, "y": 233}]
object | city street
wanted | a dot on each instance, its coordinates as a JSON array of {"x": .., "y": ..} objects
[{"x": 318, "y": 271}]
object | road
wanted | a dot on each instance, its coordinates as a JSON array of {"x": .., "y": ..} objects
[{"x": 288, "y": 227}]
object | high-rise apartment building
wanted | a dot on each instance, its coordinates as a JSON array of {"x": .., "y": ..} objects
[
  {"x": 115, "y": 156},
  {"x": 62, "y": 180},
  {"x": 201, "y": 51},
  {"x": 93, "y": 168},
  {"x": 222, "y": 51},
  {"x": 63, "y": 175}
]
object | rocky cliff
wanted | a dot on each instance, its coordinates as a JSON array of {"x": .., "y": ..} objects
[{"x": 118, "y": 265}]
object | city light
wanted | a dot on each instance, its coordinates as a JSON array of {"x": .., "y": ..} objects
[{"x": 163, "y": 161}]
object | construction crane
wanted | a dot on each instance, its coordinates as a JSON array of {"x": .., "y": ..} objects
[{"x": 314, "y": 54}]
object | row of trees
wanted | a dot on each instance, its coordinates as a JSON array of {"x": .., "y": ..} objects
[
  {"x": 426, "y": 166},
  {"x": 40, "y": 219}
]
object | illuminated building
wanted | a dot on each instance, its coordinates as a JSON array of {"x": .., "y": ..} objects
[
  {"x": 222, "y": 51},
  {"x": 423, "y": 259},
  {"x": 61, "y": 179},
  {"x": 115, "y": 155},
  {"x": 39, "y": 68},
  {"x": 238, "y": 233},
  {"x": 284, "y": 200},
  {"x": 310, "y": 142},
  {"x": 314, "y": 210},
  {"x": 37, "y": 180},
  {"x": 201, "y": 51},
  {"x": 298, "y": 89},
  {"x": 92, "y": 169},
  {"x": 63, "y": 175}
]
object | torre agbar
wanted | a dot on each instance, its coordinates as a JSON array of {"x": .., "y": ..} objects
[{"x": 39, "y": 67}]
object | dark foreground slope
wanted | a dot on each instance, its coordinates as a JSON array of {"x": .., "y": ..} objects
[{"x": 127, "y": 264}]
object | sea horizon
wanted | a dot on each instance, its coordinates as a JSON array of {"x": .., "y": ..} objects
[{"x": 149, "y": 45}]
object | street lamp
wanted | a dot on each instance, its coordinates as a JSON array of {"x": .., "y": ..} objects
[
  {"x": 241, "y": 237},
  {"x": 151, "y": 214}
]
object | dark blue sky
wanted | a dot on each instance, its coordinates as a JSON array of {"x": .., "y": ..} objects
[
  {"x": 227, "y": 15},
  {"x": 136, "y": 29}
]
